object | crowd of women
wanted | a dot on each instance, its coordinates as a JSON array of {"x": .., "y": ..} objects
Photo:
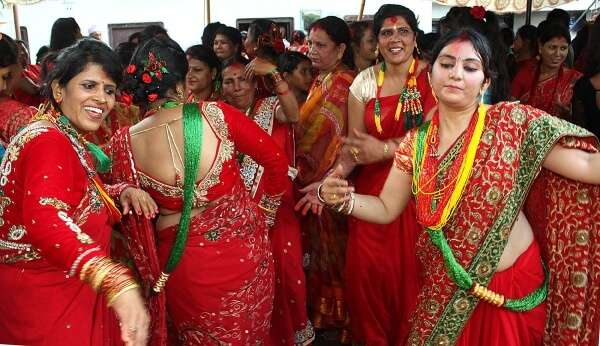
[{"x": 369, "y": 183}]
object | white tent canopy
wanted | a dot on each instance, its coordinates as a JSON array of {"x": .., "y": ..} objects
[{"x": 517, "y": 6}]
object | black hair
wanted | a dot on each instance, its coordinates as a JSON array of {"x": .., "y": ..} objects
[
  {"x": 480, "y": 44},
  {"x": 593, "y": 50},
  {"x": 8, "y": 51},
  {"x": 298, "y": 36},
  {"x": 151, "y": 31},
  {"x": 553, "y": 30},
  {"x": 289, "y": 61},
  {"x": 268, "y": 40},
  {"x": 357, "y": 31},
  {"x": 135, "y": 36},
  {"x": 427, "y": 41},
  {"x": 389, "y": 10},
  {"x": 209, "y": 33},
  {"x": 169, "y": 59},
  {"x": 65, "y": 32},
  {"x": 125, "y": 51},
  {"x": 74, "y": 59},
  {"x": 508, "y": 36},
  {"x": 339, "y": 33},
  {"x": 206, "y": 55},
  {"x": 39, "y": 56},
  {"x": 559, "y": 16},
  {"x": 528, "y": 33}
]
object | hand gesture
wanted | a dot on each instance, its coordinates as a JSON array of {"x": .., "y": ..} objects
[
  {"x": 310, "y": 201},
  {"x": 335, "y": 190},
  {"x": 364, "y": 148},
  {"x": 258, "y": 67},
  {"x": 138, "y": 200}
]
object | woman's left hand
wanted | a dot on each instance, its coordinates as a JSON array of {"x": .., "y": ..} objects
[
  {"x": 134, "y": 199},
  {"x": 259, "y": 67},
  {"x": 364, "y": 148}
]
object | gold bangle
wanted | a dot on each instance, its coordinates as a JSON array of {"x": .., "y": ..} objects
[
  {"x": 83, "y": 274},
  {"x": 386, "y": 149},
  {"x": 276, "y": 77},
  {"x": 100, "y": 273},
  {"x": 112, "y": 297}
]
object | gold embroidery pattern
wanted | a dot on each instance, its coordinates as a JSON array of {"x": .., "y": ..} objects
[
  {"x": 215, "y": 116},
  {"x": 81, "y": 236},
  {"x": 4, "y": 202},
  {"x": 16, "y": 232},
  {"x": 54, "y": 202}
]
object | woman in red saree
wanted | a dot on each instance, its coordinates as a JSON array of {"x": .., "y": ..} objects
[
  {"x": 14, "y": 115},
  {"x": 218, "y": 279},
  {"x": 276, "y": 116},
  {"x": 548, "y": 85},
  {"x": 496, "y": 272},
  {"x": 382, "y": 276},
  {"x": 55, "y": 272},
  {"x": 318, "y": 133}
]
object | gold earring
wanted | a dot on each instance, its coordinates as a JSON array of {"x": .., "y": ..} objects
[{"x": 180, "y": 94}]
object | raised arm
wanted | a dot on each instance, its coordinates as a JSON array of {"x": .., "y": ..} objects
[
  {"x": 252, "y": 140},
  {"x": 574, "y": 164}
]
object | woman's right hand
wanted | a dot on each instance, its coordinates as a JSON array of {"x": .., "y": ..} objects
[
  {"x": 335, "y": 190},
  {"x": 133, "y": 317}
]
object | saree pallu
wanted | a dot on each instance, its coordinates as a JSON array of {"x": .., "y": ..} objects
[
  {"x": 318, "y": 133},
  {"x": 515, "y": 141},
  {"x": 221, "y": 292},
  {"x": 14, "y": 115},
  {"x": 382, "y": 271},
  {"x": 289, "y": 323}
]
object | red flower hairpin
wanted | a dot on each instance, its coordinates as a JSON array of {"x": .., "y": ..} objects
[
  {"x": 478, "y": 12},
  {"x": 131, "y": 69},
  {"x": 152, "y": 97}
]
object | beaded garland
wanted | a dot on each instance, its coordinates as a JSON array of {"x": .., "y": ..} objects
[
  {"x": 436, "y": 206},
  {"x": 409, "y": 102}
]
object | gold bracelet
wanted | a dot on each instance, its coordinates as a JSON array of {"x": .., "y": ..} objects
[
  {"x": 275, "y": 77},
  {"x": 112, "y": 297},
  {"x": 100, "y": 273},
  {"x": 386, "y": 149},
  {"x": 83, "y": 274}
]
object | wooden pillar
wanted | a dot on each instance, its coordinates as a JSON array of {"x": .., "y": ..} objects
[{"x": 362, "y": 10}]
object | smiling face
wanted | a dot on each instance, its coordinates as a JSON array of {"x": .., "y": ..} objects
[
  {"x": 554, "y": 52},
  {"x": 457, "y": 75},
  {"x": 324, "y": 53},
  {"x": 237, "y": 90},
  {"x": 396, "y": 40},
  {"x": 87, "y": 98},
  {"x": 199, "y": 76}
]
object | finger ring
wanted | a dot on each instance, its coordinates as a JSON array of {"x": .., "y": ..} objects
[
  {"x": 132, "y": 330},
  {"x": 334, "y": 196},
  {"x": 355, "y": 150}
]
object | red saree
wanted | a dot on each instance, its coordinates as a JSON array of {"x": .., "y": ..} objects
[
  {"x": 52, "y": 221},
  {"x": 564, "y": 218},
  {"x": 290, "y": 324},
  {"x": 552, "y": 95},
  {"x": 14, "y": 115},
  {"x": 322, "y": 124},
  {"x": 382, "y": 273},
  {"x": 222, "y": 290}
]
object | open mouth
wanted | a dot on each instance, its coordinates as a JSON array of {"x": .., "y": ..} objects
[{"x": 94, "y": 112}]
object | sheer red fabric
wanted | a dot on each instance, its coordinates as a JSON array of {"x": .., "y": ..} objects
[
  {"x": 14, "y": 115},
  {"x": 382, "y": 271}
]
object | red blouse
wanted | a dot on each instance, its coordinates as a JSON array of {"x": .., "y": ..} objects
[{"x": 234, "y": 132}]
